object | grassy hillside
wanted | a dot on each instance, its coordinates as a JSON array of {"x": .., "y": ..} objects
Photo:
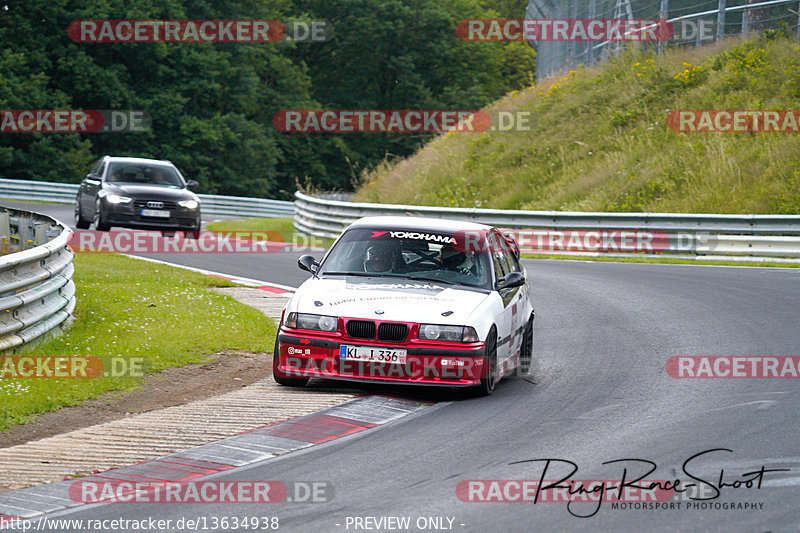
[{"x": 600, "y": 143}]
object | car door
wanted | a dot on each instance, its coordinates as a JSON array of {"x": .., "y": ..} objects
[
  {"x": 517, "y": 306},
  {"x": 505, "y": 320}
]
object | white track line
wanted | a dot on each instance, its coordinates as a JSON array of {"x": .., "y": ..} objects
[{"x": 236, "y": 279}]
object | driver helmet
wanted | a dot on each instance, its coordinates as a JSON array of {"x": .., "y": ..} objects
[
  {"x": 453, "y": 259},
  {"x": 379, "y": 259}
]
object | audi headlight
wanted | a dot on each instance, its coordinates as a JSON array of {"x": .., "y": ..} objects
[
  {"x": 435, "y": 332},
  {"x": 189, "y": 204},
  {"x": 117, "y": 199},
  {"x": 313, "y": 322}
]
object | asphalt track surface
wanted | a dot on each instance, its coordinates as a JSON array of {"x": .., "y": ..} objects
[{"x": 598, "y": 392}]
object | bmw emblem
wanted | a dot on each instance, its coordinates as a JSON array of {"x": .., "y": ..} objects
[{"x": 379, "y": 311}]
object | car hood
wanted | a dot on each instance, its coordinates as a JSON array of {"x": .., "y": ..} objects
[
  {"x": 150, "y": 191},
  {"x": 393, "y": 299}
]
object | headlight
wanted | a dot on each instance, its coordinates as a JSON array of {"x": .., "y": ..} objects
[
  {"x": 434, "y": 332},
  {"x": 314, "y": 322},
  {"x": 189, "y": 204},
  {"x": 117, "y": 199}
]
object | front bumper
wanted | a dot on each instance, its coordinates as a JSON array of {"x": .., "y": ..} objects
[
  {"x": 126, "y": 215},
  {"x": 436, "y": 364}
]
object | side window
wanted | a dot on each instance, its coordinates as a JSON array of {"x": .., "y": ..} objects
[
  {"x": 499, "y": 270},
  {"x": 506, "y": 265},
  {"x": 512, "y": 262},
  {"x": 101, "y": 169},
  {"x": 501, "y": 266},
  {"x": 96, "y": 168}
]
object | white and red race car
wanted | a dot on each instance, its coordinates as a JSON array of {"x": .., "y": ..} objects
[{"x": 411, "y": 301}]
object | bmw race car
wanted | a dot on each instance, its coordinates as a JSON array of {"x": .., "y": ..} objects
[{"x": 411, "y": 301}]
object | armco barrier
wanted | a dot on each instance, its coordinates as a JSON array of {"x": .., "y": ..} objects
[
  {"x": 211, "y": 205},
  {"x": 37, "y": 293},
  {"x": 740, "y": 235}
]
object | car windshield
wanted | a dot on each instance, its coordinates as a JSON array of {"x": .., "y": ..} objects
[
  {"x": 143, "y": 174},
  {"x": 411, "y": 254}
]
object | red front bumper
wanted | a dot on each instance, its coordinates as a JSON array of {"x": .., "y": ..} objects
[{"x": 444, "y": 364}]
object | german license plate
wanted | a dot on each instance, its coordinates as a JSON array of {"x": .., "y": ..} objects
[
  {"x": 372, "y": 354},
  {"x": 155, "y": 213}
]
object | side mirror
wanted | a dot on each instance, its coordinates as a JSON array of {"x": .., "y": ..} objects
[
  {"x": 192, "y": 184},
  {"x": 92, "y": 177},
  {"x": 514, "y": 279},
  {"x": 308, "y": 263}
]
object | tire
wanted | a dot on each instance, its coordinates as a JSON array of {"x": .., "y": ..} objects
[
  {"x": 280, "y": 377},
  {"x": 487, "y": 384},
  {"x": 99, "y": 223},
  {"x": 80, "y": 222},
  {"x": 526, "y": 353}
]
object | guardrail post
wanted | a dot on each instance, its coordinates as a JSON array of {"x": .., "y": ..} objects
[
  {"x": 663, "y": 14},
  {"x": 25, "y": 232},
  {"x": 745, "y": 24},
  {"x": 5, "y": 233},
  {"x": 5, "y": 228},
  {"x": 723, "y": 8},
  {"x": 592, "y": 16},
  {"x": 40, "y": 233}
]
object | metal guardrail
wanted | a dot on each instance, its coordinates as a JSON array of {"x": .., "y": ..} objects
[
  {"x": 746, "y": 235},
  {"x": 213, "y": 205},
  {"x": 238, "y": 206},
  {"x": 37, "y": 294}
]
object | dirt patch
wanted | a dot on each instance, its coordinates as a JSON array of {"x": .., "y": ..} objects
[{"x": 227, "y": 371}]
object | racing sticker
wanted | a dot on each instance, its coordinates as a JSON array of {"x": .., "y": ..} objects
[
  {"x": 407, "y": 298},
  {"x": 414, "y": 235},
  {"x": 396, "y": 286}
]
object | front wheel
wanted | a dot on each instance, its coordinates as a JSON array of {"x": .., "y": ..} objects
[
  {"x": 80, "y": 222},
  {"x": 487, "y": 384},
  {"x": 526, "y": 352},
  {"x": 280, "y": 377},
  {"x": 99, "y": 221}
]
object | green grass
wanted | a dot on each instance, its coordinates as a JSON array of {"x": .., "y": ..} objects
[
  {"x": 131, "y": 309},
  {"x": 28, "y": 201},
  {"x": 599, "y": 141},
  {"x": 274, "y": 229}
]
